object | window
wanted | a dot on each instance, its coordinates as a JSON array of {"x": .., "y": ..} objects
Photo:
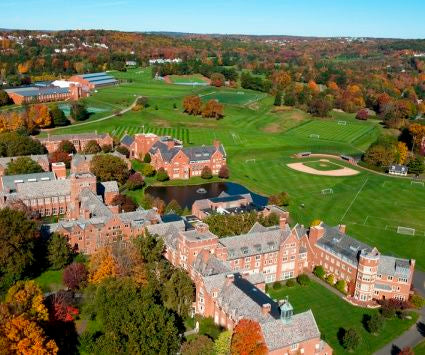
[
  {"x": 294, "y": 347},
  {"x": 390, "y": 278}
]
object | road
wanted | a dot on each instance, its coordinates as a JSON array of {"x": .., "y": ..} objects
[{"x": 416, "y": 334}]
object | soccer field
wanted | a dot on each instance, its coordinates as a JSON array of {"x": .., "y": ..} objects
[
  {"x": 233, "y": 97},
  {"x": 187, "y": 78},
  {"x": 333, "y": 130}
]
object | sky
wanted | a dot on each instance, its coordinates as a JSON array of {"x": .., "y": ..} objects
[{"x": 355, "y": 18}]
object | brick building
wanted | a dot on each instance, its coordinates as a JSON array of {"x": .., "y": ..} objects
[
  {"x": 39, "y": 94},
  {"x": 40, "y": 159},
  {"x": 179, "y": 162},
  {"x": 79, "y": 140},
  {"x": 93, "y": 81},
  {"x": 231, "y": 204}
]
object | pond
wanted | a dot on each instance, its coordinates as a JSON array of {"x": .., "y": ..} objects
[{"x": 186, "y": 195}]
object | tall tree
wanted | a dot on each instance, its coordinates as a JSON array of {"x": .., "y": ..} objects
[
  {"x": 92, "y": 147},
  {"x": 248, "y": 339},
  {"x": 222, "y": 343},
  {"x": 179, "y": 293},
  {"x": 108, "y": 167},
  {"x": 59, "y": 252},
  {"x": 192, "y": 105}
]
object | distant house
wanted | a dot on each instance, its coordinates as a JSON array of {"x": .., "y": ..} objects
[
  {"x": 38, "y": 93},
  {"x": 94, "y": 80},
  {"x": 131, "y": 63},
  {"x": 400, "y": 170}
]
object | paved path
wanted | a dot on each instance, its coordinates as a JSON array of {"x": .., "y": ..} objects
[
  {"x": 419, "y": 282},
  {"x": 98, "y": 120},
  {"x": 411, "y": 337}
]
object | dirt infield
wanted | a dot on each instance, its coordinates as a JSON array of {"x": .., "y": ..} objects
[{"x": 344, "y": 171}]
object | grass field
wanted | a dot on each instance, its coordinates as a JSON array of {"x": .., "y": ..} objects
[
  {"x": 233, "y": 97},
  {"x": 196, "y": 78},
  {"x": 332, "y": 313},
  {"x": 371, "y": 205},
  {"x": 50, "y": 280}
]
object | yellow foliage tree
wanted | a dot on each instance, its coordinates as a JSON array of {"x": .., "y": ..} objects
[
  {"x": 418, "y": 133},
  {"x": 402, "y": 152},
  {"x": 26, "y": 337},
  {"x": 26, "y": 297},
  {"x": 102, "y": 265},
  {"x": 39, "y": 115}
]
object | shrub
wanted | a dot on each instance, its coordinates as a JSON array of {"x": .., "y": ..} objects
[
  {"x": 174, "y": 105},
  {"x": 417, "y": 301},
  {"x": 388, "y": 310},
  {"x": 206, "y": 173},
  {"x": 224, "y": 172},
  {"x": 341, "y": 286},
  {"x": 375, "y": 323},
  {"x": 148, "y": 170},
  {"x": 135, "y": 181},
  {"x": 75, "y": 275},
  {"x": 330, "y": 279},
  {"x": 92, "y": 147},
  {"x": 106, "y": 148},
  {"x": 67, "y": 147},
  {"x": 351, "y": 339},
  {"x": 280, "y": 199},
  {"x": 162, "y": 175},
  {"x": 362, "y": 114},
  {"x": 147, "y": 158},
  {"x": 277, "y": 285},
  {"x": 303, "y": 280},
  {"x": 319, "y": 272},
  {"x": 290, "y": 283}
]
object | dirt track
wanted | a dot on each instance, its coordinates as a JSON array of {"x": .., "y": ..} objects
[{"x": 338, "y": 172}]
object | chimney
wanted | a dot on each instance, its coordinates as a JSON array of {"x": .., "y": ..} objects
[
  {"x": 342, "y": 228},
  {"x": 266, "y": 308},
  {"x": 316, "y": 232},
  {"x": 282, "y": 222},
  {"x": 59, "y": 169},
  {"x": 230, "y": 278},
  {"x": 216, "y": 143},
  {"x": 201, "y": 227}
]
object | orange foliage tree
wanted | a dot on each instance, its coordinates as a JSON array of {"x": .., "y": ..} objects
[
  {"x": 192, "y": 105},
  {"x": 248, "y": 339},
  {"x": 213, "y": 109},
  {"x": 418, "y": 133},
  {"x": 281, "y": 79},
  {"x": 102, "y": 265},
  {"x": 39, "y": 115}
]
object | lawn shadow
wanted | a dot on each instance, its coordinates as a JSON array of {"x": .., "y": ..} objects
[
  {"x": 340, "y": 335},
  {"x": 421, "y": 328},
  {"x": 365, "y": 320},
  {"x": 395, "y": 350}
]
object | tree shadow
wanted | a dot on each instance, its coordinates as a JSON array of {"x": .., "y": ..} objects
[
  {"x": 421, "y": 328},
  {"x": 395, "y": 350},
  {"x": 340, "y": 335},
  {"x": 365, "y": 320}
]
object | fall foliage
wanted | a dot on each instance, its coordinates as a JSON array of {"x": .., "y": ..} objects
[
  {"x": 192, "y": 105},
  {"x": 247, "y": 339}
]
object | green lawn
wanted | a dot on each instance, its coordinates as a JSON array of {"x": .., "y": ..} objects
[
  {"x": 323, "y": 165},
  {"x": 50, "y": 280},
  {"x": 233, "y": 97},
  {"x": 196, "y": 78},
  {"x": 332, "y": 313},
  {"x": 420, "y": 349},
  {"x": 371, "y": 205}
]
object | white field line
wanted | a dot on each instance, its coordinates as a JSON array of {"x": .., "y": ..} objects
[
  {"x": 354, "y": 199},
  {"x": 210, "y": 93}
]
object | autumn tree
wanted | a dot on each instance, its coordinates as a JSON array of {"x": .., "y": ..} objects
[
  {"x": 108, "y": 167},
  {"x": 125, "y": 203},
  {"x": 281, "y": 79},
  {"x": 66, "y": 147},
  {"x": 418, "y": 133},
  {"x": 200, "y": 345},
  {"x": 248, "y": 339},
  {"x": 416, "y": 166},
  {"x": 224, "y": 172},
  {"x": 102, "y": 265},
  {"x": 217, "y": 79},
  {"x": 402, "y": 153},
  {"x": 4, "y": 98},
  {"x": 39, "y": 115},
  {"x": 222, "y": 343},
  {"x": 23, "y": 165},
  {"x": 192, "y": 105},
  {"x": 213, "y": 109},
  {"x": 279, "y": 199},
  {"x": 92, "y": 147},
  {"x": 135, "y": 181},
  {"x": 362, "y": 114},
  {"x": 380, "y": 155},
  {"x": 206, "y": 172},
  {"x": 75, "y": 275},
  {"x": 60, "y": 156},
  {"x": 58, "y": 251}
]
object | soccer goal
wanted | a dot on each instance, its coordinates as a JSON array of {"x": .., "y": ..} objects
[
  {"x": 406, "y": 230},
  {"x": 420, "y": 183},
  {"x": 342, "y": 123},
  {"x": 314, "y": 136},
  {"x": 327, "y": 191},
  {"x": 250, "y": 161}
]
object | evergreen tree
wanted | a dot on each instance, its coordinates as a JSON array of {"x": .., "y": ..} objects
[
  {"x": 278, "y": 99},
  {"x": 59, "y": 253}
]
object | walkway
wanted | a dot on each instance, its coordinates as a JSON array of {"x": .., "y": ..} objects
[{"x": 99, "y": 119}]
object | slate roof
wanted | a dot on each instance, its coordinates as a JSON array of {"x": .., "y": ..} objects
[
  {"x": 398, "y": 168},
  {"x": 208, "y": 264},
  {"x": 110, "y": 186},
  {"x": 43, "y": 189},
  {"x": 6, "y": 160},
  {"x": 30, "y": 91},
  {"x": 94, "y": 204},
  {"x": 301, "y": 327},
  {"x": 71, "y": 137},
  {"x": 342, "y": 245},
  {"x": 255, "y": 242},
  {"x": 197, "y": 235},
  {"x": 127, "y": 140},
  {"x": 15, "y": 182},
  {"x": 391, "y": 266}
]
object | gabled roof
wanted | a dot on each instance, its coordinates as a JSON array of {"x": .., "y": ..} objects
[{"x": 127, "y": 140}]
